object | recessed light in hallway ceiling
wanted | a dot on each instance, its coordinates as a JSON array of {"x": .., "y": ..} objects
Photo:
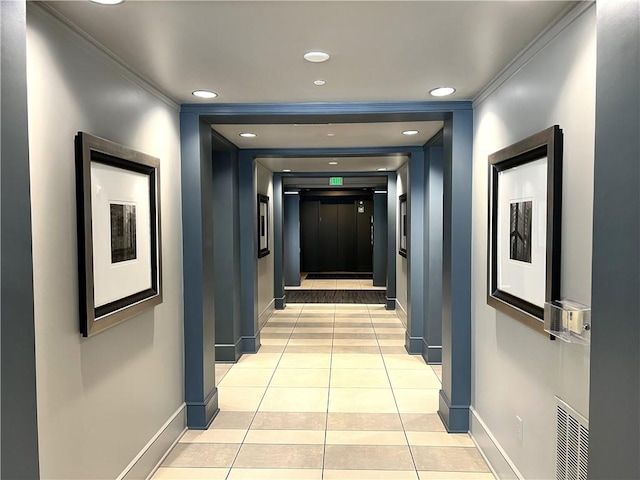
[
  {"x": 107, "y": 2},
  {"x": 286, "y": 170},
  {"x": 204, "y": 94},
  {"x": 248, "y": 135},
  {"x": 333, "y": 163},
  {"x": 319, "y": 83},
  {"x": 382, "y": 169},
  {"x": 442, "y": 91},
  {"x": 410, "y": 132},
  {"x": 316, "y": 57}
]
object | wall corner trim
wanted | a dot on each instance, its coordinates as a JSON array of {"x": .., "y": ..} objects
[
  {"x": 499, "y": 462},
  {"x": 147, "y": 461},
  {"x": 564, "y": 20},
  {"x": 82, "y": 38}
]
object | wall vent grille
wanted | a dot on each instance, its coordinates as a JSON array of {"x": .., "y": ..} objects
[{"x": 572, "y": 452}]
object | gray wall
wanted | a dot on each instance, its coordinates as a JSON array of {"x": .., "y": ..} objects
[
  {"x": 517, "y": 371},
  {"x": 402, "y": 269},
  {"x": 614, "y": 401},
  {"x": 121, "y": 386},
  {"x": 19, "y": 428},
  {"x": 264, "y": 185}
]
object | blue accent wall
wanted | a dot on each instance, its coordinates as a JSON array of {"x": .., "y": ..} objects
[
  {"x": 455, "y": 395},
  {"x": 292, "y": 240},
  {"x": 432, "y": 346},
  {"x": 614, "y": 402},
  {"x": 19, "y": 407},
  {"x": 226, "y": 235},
  {"x": 197, "y": 226},
  {"x": 416, "y": 250},
  {"x": 380, "y": 239}
]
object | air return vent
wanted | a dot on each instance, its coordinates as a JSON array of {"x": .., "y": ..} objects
[{"x": 572, "y": 451}]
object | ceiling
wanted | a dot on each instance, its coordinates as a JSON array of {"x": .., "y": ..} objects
[{"x": 252, "y": 52}]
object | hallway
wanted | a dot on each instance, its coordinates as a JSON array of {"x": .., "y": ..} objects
[{"x": 331, "y": 394}]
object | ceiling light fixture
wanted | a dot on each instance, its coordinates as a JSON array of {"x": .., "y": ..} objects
[
  {"x": 287, "y": 170},
  {"x": 203, "y": 93},
  {"x": 316, "y": 57},
  {"x": 333, "y": 163},
  {"x": 382, "y": 169},
  {"x": 410, "y": 132},
  {"x": 442, "y": 91},
  {"x": 331, "y": 134},
  {"x": 319, "y": 82},
  {"x": 107, "y": 2},
  {"x": 248, "y": 135}
]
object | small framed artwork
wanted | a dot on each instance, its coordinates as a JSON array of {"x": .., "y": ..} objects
[
  {"x": 525, "y": 205},
  {"x": 119, "y": 251},
  {"x": 403, "y": 225},
  {"x": 263, "y": 225}
]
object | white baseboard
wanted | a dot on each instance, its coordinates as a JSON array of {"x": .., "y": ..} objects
[
  {"x": 144, "y": 465},
  {"x": 401, "y": 312},
  {"x": 499, "y": 462},
  {"x": 266, "y": 314}
]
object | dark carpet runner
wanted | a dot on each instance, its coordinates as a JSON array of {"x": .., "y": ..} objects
[
  {"x": 336, "y": 296},
  {"x": 339, "y": 276}
]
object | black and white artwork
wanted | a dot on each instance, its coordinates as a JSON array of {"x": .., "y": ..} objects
[
  {"x": 123, "y": 232},
  {"x": 520, "y": 231}
]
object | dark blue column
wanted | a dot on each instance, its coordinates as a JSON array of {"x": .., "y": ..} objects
[
  {"x": 292, "y": 240},
  {"x": 392, "y": 235},
  {"x": 248, "y": 208},
  {"x": 19, "y": 407},
  {"x": 226, "y": 254},
  {"x": 380, "y": 239},
  {"x": 455, "y": 395},
  {"x": 614, "y": 395},
  {"x": 278, "y": 243},
  {"x": 432, "y": 340},
  {"x": 416, "y": 249},
  {"x": 197, "y": 227}
]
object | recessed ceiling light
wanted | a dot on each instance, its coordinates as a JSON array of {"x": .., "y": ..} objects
[
  {"x": 382, "y": 169},
  {"x": 248, "y": 135},
  {"x": 107, "y": 2},
  {"x": 333, "y": 163},
  {"x": 286, "y": 169},
  {"x": 204, "y": 94},
  {"x": 319, "y": 82},
  {"x": 410, "y": 132},
  {"x": 316, "y": 57},
  {"x": 442, "y": 91}
]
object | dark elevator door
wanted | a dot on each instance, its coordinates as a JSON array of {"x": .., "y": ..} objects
[{"x": 335, "y": 236}]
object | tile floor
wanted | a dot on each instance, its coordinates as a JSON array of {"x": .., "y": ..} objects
[{"x": 331, "y": 395}]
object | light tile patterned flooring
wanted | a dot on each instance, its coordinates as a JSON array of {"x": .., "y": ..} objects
[{"x": 332, "y": 394}]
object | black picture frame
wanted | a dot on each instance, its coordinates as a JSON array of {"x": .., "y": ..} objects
[
  {"x": 525, "y": 225},
  {"x": 118, "y": 230},
  {"x": 263, "y": 226},
  {"x": 402, "y": 225}
]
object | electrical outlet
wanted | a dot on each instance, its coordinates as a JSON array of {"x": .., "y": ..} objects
[{"x": 519, "y": 428}]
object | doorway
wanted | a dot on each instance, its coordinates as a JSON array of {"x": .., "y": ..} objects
[{"x": 336, "y": 232}]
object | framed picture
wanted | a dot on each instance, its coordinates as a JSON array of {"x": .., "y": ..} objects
[
  {"x": 119, "y": 250},
  {"x": 263, "y": 225},
  {"x": 403, "y": 225},
  {"x": 525, "y": 205}
]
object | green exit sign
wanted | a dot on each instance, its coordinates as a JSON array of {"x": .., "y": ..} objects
[{"x": 335, "y": 180}]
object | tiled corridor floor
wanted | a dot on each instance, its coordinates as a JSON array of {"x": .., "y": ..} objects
[{"x": 332, "y": 394}]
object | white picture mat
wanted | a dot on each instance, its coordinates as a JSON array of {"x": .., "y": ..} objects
[
  {"x": 264, "y": 213},
  {"x": 403, "y": 226},
  {"x": 115, "y": 185},
  {"x": 526, "y": 182}
]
